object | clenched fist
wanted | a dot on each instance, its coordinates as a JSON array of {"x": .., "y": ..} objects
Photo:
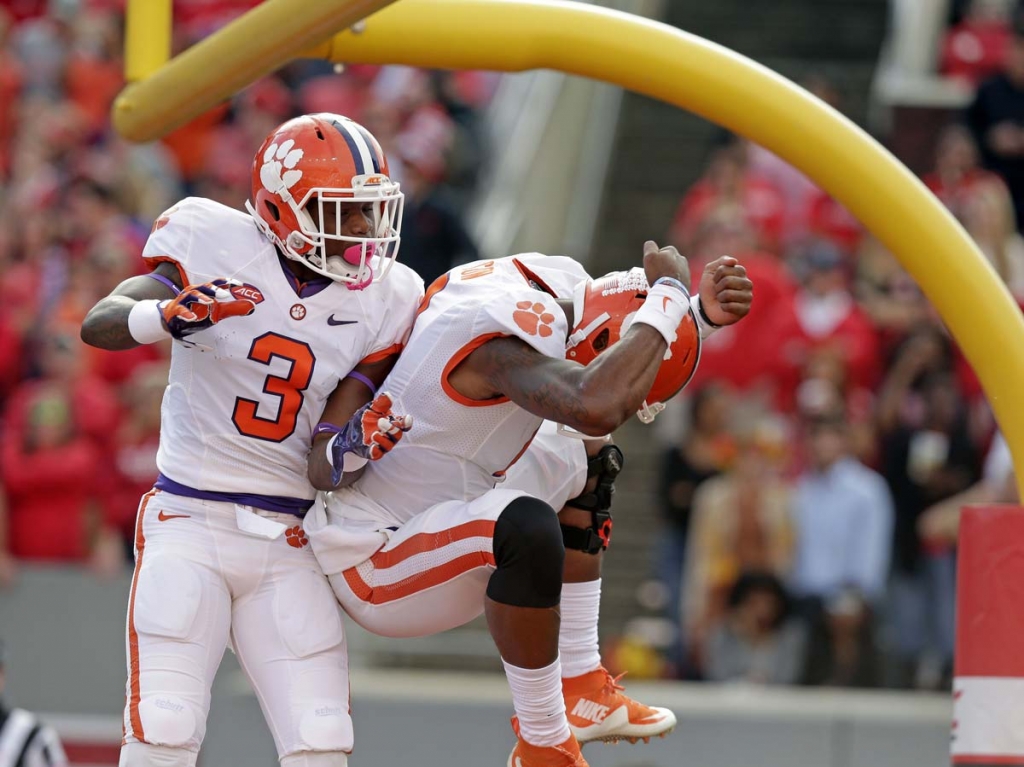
[{"x": 725, "y": 291}]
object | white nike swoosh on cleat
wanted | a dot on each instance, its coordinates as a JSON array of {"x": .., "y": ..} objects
[{"x": 617, "y": 726}]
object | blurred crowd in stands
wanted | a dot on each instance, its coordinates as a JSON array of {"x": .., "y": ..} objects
[
  {"x": 80, "y": 426},
  {"x": 810, "y": 492},
  {"x": 810, "y": 498}
]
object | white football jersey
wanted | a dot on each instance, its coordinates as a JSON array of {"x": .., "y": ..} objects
[
  {"x": 459, "y": 449},
  {"x": 239, "y": 416}
]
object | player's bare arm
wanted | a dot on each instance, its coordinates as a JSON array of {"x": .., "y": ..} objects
[
  {"x": 595, "y": 399},
  {"x": 350, "y": 395},
  {"x": 132, "y": 320},
  {"x": 106, "y": 324}
]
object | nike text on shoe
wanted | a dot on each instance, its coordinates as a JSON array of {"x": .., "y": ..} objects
[
  {"x": 566, "y": 754},
  {"x": 598, "y": 709}
]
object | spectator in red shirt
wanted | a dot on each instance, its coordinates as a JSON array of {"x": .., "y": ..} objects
[
  {"x": 60, "y": 359},
  {"x": 975, "y": 48},
  {"x": 57, "y": 429},
  {"x": 829, "y": 317},
  {"x": 134, "y": 461},
  {"x": 758, "y": 356},
  {"x": 49, "y": 471},
  {"x": 728, "y": 179},
  {"x": 829, "y": 221}
]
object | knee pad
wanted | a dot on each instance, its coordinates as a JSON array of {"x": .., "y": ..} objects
[
  {"x": 528, "y": 555},
  {"x": 168, "y": 721},
  {"x": 316, "y": 759},
  {"x": 605, "y": 466},
  {"x": 326, "y": 728},
  {"x": 145, "y": 755}
]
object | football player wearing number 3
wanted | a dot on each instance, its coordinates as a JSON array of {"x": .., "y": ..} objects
[{"x": 285, "y": 322}]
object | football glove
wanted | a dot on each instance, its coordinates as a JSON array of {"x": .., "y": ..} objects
[
  {"x": 198, "y": 307},
  {"x": 370, "y": 433}
]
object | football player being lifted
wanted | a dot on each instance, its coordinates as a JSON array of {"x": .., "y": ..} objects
[{"x": 431, "y": 536}]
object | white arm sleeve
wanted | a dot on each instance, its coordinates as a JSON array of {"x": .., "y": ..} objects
[{"x": 702, "y": 325}]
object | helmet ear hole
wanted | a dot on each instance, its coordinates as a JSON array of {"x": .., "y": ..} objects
[
  {"x": 601, "y": 342},
  {"x": 274, "y": 211}
]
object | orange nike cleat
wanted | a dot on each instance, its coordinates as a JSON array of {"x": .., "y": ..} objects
[
  {"x": 527, "y": 755},
  {"x": 598, "y": 709}
]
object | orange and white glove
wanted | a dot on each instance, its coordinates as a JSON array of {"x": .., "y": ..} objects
[
  {"x": 371, "y": 432},
  {"x": 194, "y": 308},
  {"x": 198, "y": 307}
]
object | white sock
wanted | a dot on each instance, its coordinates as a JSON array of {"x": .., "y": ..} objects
[
  {"x": 537, "y": 697},
  {"x": 577, "y": 635}
]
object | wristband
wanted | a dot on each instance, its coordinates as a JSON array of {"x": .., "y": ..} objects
[
  {"x": 365, "y": 380},
  {"x": 673, "y": 282},
  {"x": 704, "y": 325},
  {"x": 145, "y": 323},
  {"x": 664, "y": 309},
  {"x": 704, "y": 315}
]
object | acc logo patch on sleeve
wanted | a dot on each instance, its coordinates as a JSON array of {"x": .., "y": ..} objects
[{"x": 247, "y": 291}]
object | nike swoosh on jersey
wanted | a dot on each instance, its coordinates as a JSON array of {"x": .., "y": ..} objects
[
  {"x": 164, "y": 517},
  {"x": 332, "y": 322}
]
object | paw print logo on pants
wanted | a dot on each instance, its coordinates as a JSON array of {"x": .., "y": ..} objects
[
  {"x": 277, "y": 158},
  {"x": 296, "y": 537},
  {"x": 534, "y": 318}
]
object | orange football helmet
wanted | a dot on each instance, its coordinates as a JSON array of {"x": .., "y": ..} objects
[
  {"x": 326, "y": 159},
  {"x": 603, "y": 310}
]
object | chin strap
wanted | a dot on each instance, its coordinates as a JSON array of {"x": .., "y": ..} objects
[
  {"x": 647, "y": 413},
  {"x": 581, "y": 334}
]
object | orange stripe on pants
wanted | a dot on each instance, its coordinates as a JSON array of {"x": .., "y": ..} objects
[
  {"x": 419, "y": 582},
  {"x": 423, "y": 542},
  {"x": 133, "y": 636},
  {"x": 419, "y": 544}
]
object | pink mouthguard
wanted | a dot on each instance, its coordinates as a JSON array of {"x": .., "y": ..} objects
[{"x": 354, "y": 255}]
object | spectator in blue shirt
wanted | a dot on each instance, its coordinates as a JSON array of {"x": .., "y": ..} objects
[{"x": 843, "y": 512}]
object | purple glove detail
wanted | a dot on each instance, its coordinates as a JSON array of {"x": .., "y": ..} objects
[{"x": 346, "y": 439}]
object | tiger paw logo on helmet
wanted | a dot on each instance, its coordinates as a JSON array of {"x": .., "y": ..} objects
[
  {"x": 534, "y": 318},
  {"x": 274, "y": 159}
]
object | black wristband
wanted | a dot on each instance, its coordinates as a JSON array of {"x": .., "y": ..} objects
[{"x": 704, "y": 315}]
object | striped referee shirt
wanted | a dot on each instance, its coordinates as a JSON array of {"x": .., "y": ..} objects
[{"x": 27, "y": 742}]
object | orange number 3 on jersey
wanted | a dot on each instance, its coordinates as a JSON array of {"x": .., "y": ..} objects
[{"x": 289, "y": 388}]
